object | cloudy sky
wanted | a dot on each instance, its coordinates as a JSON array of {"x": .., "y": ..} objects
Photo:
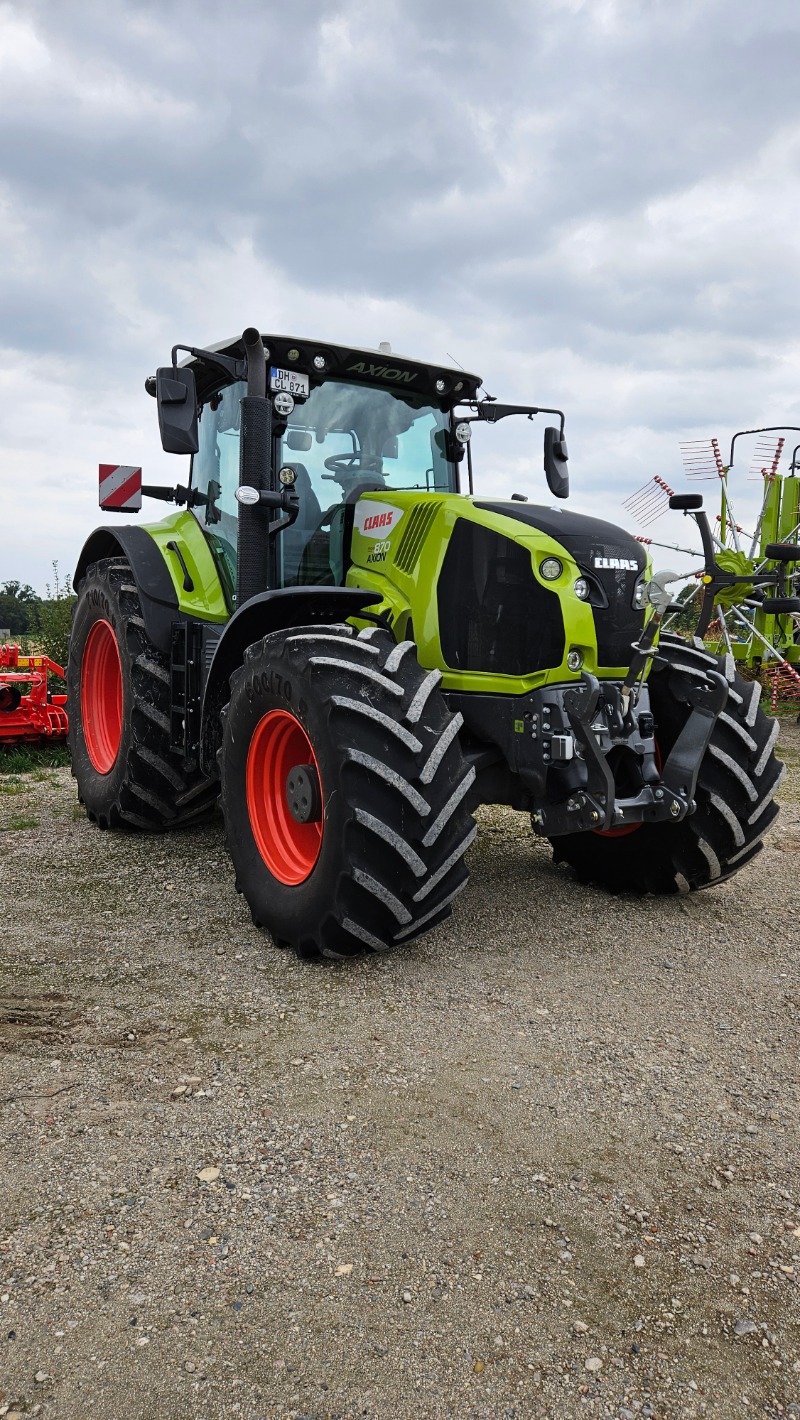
[{"x": 592, "y": 203}]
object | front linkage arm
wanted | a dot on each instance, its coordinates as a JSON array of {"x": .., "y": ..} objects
[{"x": 707, "y": 699}]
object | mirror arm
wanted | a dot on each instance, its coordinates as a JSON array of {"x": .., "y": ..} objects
[
  {"x": 489, "y": 412},
  {"x": 180, "y": 495},
  {"x": 236, "y": 368}
]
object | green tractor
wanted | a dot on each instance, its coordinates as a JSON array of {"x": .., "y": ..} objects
[{"x": 353, "y": 652}]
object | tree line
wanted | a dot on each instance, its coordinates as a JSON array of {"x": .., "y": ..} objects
[{"x": 42, "y": 622}]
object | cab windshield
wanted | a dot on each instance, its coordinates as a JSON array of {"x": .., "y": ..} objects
[
  {"x": 344, "y": 440},
  {"x": 348, "y": 433}
]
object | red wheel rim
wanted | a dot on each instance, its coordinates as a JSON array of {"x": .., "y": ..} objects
[
  {"x": 101, "y": 696},
  {"x": 289, "y": 849}
]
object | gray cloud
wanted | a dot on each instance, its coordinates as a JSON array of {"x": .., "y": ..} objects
[{"x": 594, "y": 202}]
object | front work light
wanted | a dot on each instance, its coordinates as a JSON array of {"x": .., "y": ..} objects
[{"x": 551, "y": 569}]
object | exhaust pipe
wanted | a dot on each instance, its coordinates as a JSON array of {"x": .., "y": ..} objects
[
  {"x": 256, "y": 363},
  {"x": 255, "y": 447}
]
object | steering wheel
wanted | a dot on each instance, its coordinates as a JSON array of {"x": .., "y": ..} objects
[{"x": 343, "y": 466}]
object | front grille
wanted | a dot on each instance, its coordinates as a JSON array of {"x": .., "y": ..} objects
[
  {"x": 493, "y": 613},
  {"x": 618, "y": 624},
  {"x": 592, "y": 541}
]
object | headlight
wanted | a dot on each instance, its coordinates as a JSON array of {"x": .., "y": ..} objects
[
  {"x": 640, "y": 595},
  {"x": 551, "y": 569},
  {"x": 582, "y": 589},
  {"x": 574, "y": 660}
]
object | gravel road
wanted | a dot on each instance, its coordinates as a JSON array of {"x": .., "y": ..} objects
[{"x": 544, "y": 1162}]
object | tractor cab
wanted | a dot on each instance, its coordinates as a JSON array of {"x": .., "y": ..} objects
[{"x": 342, "y": 422}]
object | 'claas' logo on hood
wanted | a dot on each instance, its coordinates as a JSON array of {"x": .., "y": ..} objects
[
  {"x": 379, "y": 520},
  {"x": 374, "y": 519},
  {"x": 617, "y": 564}
]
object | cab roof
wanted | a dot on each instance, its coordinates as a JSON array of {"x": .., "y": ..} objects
[{"x": 441, "y": 384}]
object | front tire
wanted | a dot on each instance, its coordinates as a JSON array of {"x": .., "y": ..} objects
[
  {"x": 118, "y": 697},
  {"x": 735, "y": 796},
  {"x": 343, "y": 791}
]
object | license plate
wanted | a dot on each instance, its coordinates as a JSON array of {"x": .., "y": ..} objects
[{"x": 291, "y": 381}]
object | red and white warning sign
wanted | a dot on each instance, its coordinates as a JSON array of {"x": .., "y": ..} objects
[{"x": 120, "y": 488}]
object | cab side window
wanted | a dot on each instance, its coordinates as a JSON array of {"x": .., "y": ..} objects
[{"x": 215, "y": 466}]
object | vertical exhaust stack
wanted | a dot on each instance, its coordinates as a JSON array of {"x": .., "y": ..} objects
[
  {"x": 256, "y": 363},
  {"x": 254, "y": 470}
]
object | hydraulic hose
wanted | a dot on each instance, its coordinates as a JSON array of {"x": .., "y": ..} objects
[{"x": 254, "y": 469}]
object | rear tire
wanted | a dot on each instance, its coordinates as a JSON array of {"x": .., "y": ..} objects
[
  {"x": 739, "y": 777},
  {"x": 383, "y": 859},
  {"x": 118, "y": 697}
]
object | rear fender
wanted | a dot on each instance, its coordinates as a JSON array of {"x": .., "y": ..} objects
[
  {"x": 156, "y": 588},
  {"x": 174, "y": 569},
  {"x": 269, "y": 611}
]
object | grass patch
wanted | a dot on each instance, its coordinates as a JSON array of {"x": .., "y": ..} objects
[
  {"x": 18, "y": 822},
  {"x": 22, "y": 759}
]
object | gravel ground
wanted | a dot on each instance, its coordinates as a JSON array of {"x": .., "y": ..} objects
[{"x": 545, "y": 1162}]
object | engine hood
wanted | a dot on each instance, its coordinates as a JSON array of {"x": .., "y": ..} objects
[{"x": 596, "y": 545}]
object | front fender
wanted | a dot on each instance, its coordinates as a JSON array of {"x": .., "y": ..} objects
[{"x": 269, "y": 611}]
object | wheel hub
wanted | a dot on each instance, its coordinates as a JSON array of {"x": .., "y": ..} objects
[{"x": 303, "y": 794}]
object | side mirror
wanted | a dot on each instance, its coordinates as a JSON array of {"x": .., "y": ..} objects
[
  {"x": 391, "y": 448},
  {"x": 298, "y": 439},
  {"x": 556, "y": 467},
  {"x": 176, "y": 393}
]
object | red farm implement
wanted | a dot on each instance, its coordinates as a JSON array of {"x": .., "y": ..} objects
[{"x": 28, "y": 710}]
